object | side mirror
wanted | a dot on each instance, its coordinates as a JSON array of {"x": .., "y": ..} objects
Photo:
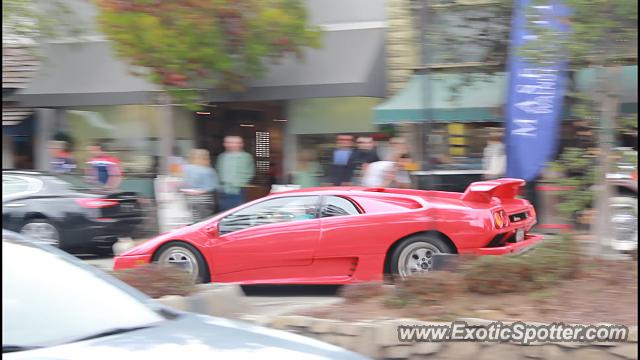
[{"x": 212, "y": 229}]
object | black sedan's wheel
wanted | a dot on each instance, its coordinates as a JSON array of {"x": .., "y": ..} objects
[
  {"x": 415, "y": 255},
  {"x": 42, "y": 230},
  {"x": 185, "y": 257}
]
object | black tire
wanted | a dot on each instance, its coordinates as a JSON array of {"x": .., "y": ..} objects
[
  {"x": 429, "y": 242},
  {"x": 202, "y": 276},
  {"x": 40, "y": 222}
]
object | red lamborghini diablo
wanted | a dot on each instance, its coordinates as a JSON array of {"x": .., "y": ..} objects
[{"x": 337, "y": 235}]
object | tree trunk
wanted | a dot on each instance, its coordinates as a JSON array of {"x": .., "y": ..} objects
[{"x": 601, "y": 229}]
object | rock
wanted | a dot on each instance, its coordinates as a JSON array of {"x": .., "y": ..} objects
[
  {"x": 365, "y": 343},
  {"x": 225, "y": 300},
  {"x": 553, "y": 352},
  {"x": 476, "y": 321},
  {"x": 570, "y": 345},
  {"x": 491, "y": 314},
  {"x": 176, "y": 302},
  {"x": 279, "y": 322},
  {"x": 426, "y": 348},
  {"x": 398, "y": 352},
  {"x": 387, "y": 335},
  {"x": 627, "y": 351},
  {"x": 591, "y": 354},
  {"x": 322, "y": 326},
  {"x": 300, "y": 321},
  {"x": 633, "y": 334},
  {"x": 459, "y": 351},
  {"x": 351, "y": 329},
  {"x": 500, "y": 351}
]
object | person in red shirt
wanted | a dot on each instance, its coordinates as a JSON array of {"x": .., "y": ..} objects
[{"x": 103, "y": 169}]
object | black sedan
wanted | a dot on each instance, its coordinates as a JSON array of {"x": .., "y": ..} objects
[{"x": 64, "y": 211}]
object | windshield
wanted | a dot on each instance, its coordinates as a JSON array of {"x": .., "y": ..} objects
[{"x": 48, "y": 300}]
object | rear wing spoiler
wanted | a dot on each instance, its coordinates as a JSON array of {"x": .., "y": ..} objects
[{"x": 484, "y": 191}]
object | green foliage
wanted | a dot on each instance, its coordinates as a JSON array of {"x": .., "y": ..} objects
[
  {"x": 575, "y": 169},
  {"x": 206, "y": 43},
  {"x": 29, "y": 21},
  {"x": 553, "y": 261}
]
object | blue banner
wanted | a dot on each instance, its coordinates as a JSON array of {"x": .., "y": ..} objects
[{"x": 536, "y": 92}]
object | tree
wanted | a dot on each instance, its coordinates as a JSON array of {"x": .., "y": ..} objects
[
  {"x": 195, "y": 44},
  {"x": 29, "y": 22},
  {"x": 603, "y": 35}
]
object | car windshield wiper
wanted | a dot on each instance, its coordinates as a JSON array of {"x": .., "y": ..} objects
[
  {"x": 109, "y": 332},
  {"x": 16, "y": 348}
]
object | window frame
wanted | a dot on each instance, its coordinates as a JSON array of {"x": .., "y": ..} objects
[
  {"x": 358, "y": 208},
  {"x": 317, "y": 214}
]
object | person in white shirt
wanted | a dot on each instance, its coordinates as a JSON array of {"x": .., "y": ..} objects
[{"x": 494, "y": 160}]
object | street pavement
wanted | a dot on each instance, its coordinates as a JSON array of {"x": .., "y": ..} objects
[{"x": 264, "y": 300}]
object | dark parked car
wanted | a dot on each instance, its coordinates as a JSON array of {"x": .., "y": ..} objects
[
  {"x": 56, "y": 307},
  {"x": 63, "y": 211}
]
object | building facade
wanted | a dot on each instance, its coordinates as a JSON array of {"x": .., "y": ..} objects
[{"x": 86, "y": 93}]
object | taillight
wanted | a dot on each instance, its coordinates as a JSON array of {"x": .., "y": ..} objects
[
  {"x": 97, "y": 203},
  {"x": 500, "y": 219}
]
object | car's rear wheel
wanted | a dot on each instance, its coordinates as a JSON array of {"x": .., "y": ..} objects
[
  {"x": 184, "y": 257},
  {"x": 416, "y": 255},
  {"x": 41, "y": 230}
]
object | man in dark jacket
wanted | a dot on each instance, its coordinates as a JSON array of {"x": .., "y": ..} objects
[
  {"x": 340, "y": 170},
  {"x": 364, "y": 154}
]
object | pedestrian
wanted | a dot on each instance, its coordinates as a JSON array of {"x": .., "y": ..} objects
[
  {"x": 340, "y": 170},
  {"x": 62, "y": 161},
  {"x": 200, "y": 182},
  {"x": 236, "y": 169},
  {"x": 176, "y": 162},
  {"x": 364, "y": 155},
  {"x": 402, "y": 177},
  {"x": 494, "y": 160},
  {"x": 388, "y": 173},
  {"x": 380, "y": 174},
  {"x": 102, "y": 168},
  {"x": 308, "y": 171}
]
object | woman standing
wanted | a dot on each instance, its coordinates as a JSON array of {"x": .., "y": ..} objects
[
  {"x": 307, "y": 173},
  {"x": 200, "y": 182}
]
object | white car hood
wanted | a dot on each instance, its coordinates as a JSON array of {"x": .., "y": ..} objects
[{"x": 194, "y": 337}]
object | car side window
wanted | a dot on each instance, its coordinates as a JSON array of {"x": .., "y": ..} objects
[
  {"x": 338, "y": 206},
  {"x": 284, "y": 209},
  {"x": 13, "y": 185}
]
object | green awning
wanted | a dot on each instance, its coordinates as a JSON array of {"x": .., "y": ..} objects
[{"x": 480, "y": 101}]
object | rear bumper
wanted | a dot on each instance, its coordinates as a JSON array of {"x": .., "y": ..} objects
[
  {"x": 128, "y": 262},
  {"x": 529, "y": 241}
]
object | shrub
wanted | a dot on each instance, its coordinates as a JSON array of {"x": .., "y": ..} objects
[
  {"x": 554, "y": 260},
  {"x": 432, "y": 287},
  {"x": 361, "y": 291},
  {"x": 157, "y": 281}
]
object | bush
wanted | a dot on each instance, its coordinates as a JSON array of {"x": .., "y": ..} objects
[
  {"x": 432, "y": 287},
  {"x": 553, "y": 261},
  {"x": 157, "y": 281},
  {"x": 361, "y": 291}
]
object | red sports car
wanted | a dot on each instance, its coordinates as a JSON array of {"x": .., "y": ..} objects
[{"x": 337, "y": 235}]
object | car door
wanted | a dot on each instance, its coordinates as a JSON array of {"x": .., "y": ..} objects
[{"x": 267, "y": 240}]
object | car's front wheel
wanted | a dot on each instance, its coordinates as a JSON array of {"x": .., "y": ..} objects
[
  {"x": 41, "y": 230},
  {"x": 185, "y": 257},
  {"x": 417, "y": 254}
]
